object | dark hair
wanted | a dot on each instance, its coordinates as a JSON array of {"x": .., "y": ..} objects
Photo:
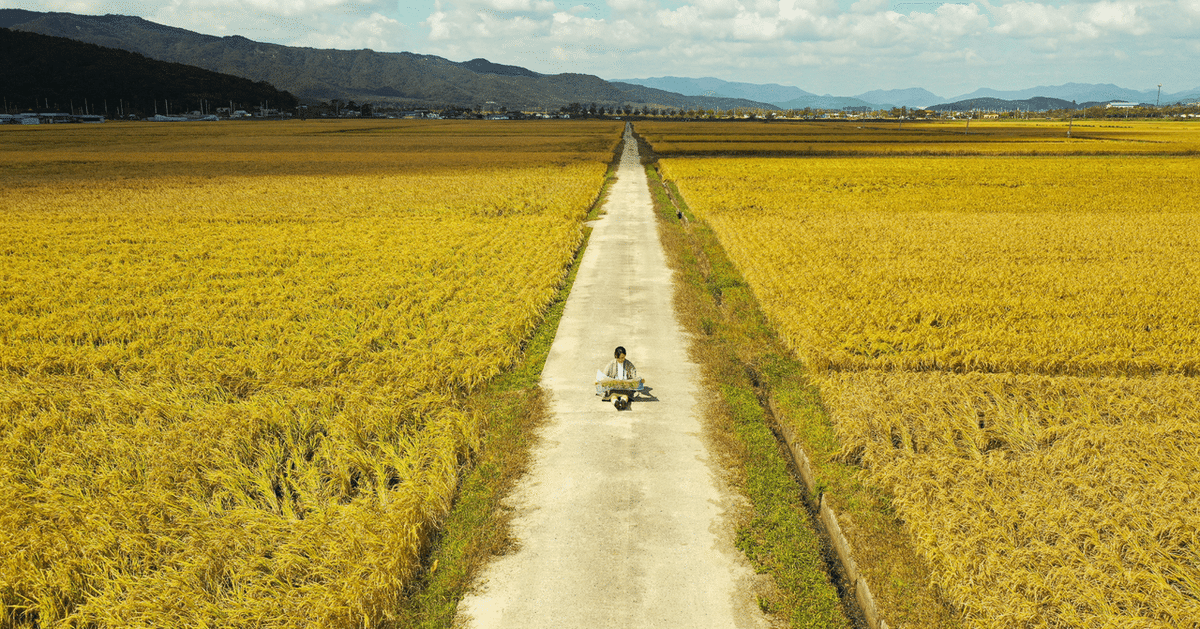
[{"x": 618, "y": 352}]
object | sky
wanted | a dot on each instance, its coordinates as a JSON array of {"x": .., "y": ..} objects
[{"x": 839, "y": 47}]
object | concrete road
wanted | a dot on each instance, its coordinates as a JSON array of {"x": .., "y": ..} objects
[{"x": 621, "y": 518}]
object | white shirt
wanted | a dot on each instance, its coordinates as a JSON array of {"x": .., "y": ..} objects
[{"x": 620, "y": 371}]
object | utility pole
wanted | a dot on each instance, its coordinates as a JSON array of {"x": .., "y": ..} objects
[{"x": 1158, "y": 101}]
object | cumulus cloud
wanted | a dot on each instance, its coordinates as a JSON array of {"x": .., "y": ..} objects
[
  {"x": 728, "y": 35},
  {"x": 376, "y": 31},
  {"x": 261, "y": 7},
  {"x": 86, "y": 7},
  {"x": 1075, "y": 22},
  {"x": 1116, "y": 17},
  {"x": 870, "y": 6},
  {"x": 1026, "y": 19},
  {"x": 632, "y": 6}
]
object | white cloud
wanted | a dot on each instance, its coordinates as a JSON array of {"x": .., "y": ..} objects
[
  {"x": 718, "y": 8},
  {"x": 260, "y": 7},
  {"x": 951, "y": 22},
  {"x": 1116, "y": 17},
  {"x": 506, "y": 6},
  {"x": 375, "y": 31},
  {"x": 1079, "y": 22},
  {"x": 870, "y": 6},
  {"x": 87, "y": 7},
  {"x": 632, "y": 6},
  {"x": 1026, "y": 19}
]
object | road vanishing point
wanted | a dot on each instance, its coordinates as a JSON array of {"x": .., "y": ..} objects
[{"x": 622, "y": 520}]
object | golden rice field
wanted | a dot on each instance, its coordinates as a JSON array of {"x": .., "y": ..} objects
[
  {"x": 233, "y": 369},
  {"x": 1009, "y": 346},
  {"x": 980, "y": 137},
  {"x": 1041, "y": 501},
  {"x": 1054, "y": 266}
]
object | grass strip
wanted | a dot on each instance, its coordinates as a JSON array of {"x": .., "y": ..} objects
[
  {"x": 778, "y": 534},
  {"x": 477, "y": 528},
  {"x": 754, "y": 368}
]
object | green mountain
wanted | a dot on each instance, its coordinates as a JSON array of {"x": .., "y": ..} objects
[
  {"x": 40, "y": 72},
  {"x": 361, "y": 75}
]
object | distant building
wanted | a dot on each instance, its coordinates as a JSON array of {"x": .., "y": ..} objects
[
  {"x": 1120, "y": 105},
  {"x": 54, "y": 118}
]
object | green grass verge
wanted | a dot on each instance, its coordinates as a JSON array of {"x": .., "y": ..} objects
[
  {"x": 477, "y": 528},
  {"x": 778, "y": 536},
  {"x": 760, "y": 369}
]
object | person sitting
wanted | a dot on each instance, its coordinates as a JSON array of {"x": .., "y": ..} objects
[
  {"x": 620, "y": 368},
  {"x": 619, "y": 380}
]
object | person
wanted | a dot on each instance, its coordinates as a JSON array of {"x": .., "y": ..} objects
[{"x": 620, "y": 368}]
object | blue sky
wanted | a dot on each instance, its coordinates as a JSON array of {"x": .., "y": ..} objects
[{"x": 842, "y": 47}]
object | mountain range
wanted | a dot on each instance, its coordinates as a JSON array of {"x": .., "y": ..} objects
[
  {"x": 363, "y": 75},
  {"x": 406, "y": 78},
  {"x": 41, "y": 69},
  {"x": 786, "y": 97}
]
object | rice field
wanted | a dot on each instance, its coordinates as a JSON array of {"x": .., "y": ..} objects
[
  {"x": 235, "y": 359},
  {"x": 1008, "y": 346},
  {"x": 906, "y": 138}
]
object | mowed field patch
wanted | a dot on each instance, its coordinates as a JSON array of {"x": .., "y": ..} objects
[
  {"x": 1008, "y": 347},
  {"x": 234, "y": 357}
]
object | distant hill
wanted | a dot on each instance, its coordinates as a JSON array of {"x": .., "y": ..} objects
[
  {"x": 483, "y": 66},
  {"x": 827, "y": 102},
  {"x": 1037, "y": 103},
  {"x": 712, "y": 87},
  {"x": 1082, "y": 92},
  {"x": 1076, "y": 95},
  {"x": 788, "y": 97},
  {"x": 1188, "y": 97},
  {"x": 360, "y": 75},
  {"x": 40, "y": 71},
  {"x": 911, "y": 97}
]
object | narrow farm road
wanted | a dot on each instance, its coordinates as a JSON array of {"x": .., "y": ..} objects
[{"x": 621, "y": 520}]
